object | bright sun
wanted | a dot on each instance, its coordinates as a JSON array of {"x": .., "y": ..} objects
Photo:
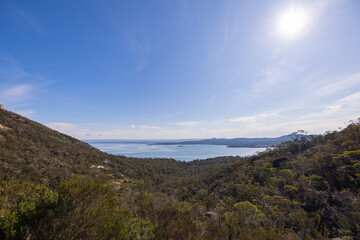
[{"x": 293, "y": 22}]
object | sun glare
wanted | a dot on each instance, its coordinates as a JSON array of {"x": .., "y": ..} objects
[{"x": 293, "y": 22}]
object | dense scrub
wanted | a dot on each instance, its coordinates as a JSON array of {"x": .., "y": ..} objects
[
  {"x": 37, "y": 154},
  {"x": 56, "y": 187}
]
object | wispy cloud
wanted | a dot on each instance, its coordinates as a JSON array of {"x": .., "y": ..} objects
[
  {"x": 353, "y": 100},
  {"x": 347, "y": 108},
  {"x": 62, "y": 127},
  {"x": 133, "y": 126},
  {"x": 16, "y": 93},
  {"x": 188, "y": 124},
  {"x": 10, "y": 69},
  {"x": 278, "y": 71},
  {"x": 12, "y": 72},
  {"x": 254, "y": 118},
  {"x": 26, "y": 113},
  {"x": 140, "y": 48},
  {"x": 27, "y": 20},
  {"x": 75, "y": 130},
  {"x": 318, "y": 8},
  {"x": 331, "y": 86},
  {"x": 18, "y": 87},
  {"x": 151, "y": 127}
]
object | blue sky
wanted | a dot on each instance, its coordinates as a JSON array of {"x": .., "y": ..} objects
[{"x": 180, "y": 69}]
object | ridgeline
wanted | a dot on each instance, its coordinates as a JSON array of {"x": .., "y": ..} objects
[
  {"x": 56, "y": 187},
  {"x": 236, "y": 142}
]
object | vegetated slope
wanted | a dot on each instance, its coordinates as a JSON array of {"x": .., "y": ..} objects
[
  {"x": 36, "y": 153},
  {"x": 310, "y": 186},
  {"x": 32, "y": 151},
  {"x": 53, "y": 186},
  {"x": 307, "y": 188}
]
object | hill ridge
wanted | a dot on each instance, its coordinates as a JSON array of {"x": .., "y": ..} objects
[{"x": 307, "y": 188}]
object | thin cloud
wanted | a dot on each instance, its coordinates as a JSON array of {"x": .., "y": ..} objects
[
  {"x": 253, "y": 118},
  {"x": 16, "y": 93},
  {"x": 140, "y": 47},
  {"x": 12, "y": 71},
  {"x": 353, "y": 99},
  {"x": 26, "y": 113},
  {"x": 62, "y": 127},
  {"x": 151, "y": 127},
  {"x": 339, "y": 84},
  {"x": 28, "y": 20},
  {"x": 18, "y": 86},
  {"x": 279, "y": 71},
  {"x": 188, "y": 124},
  {"x": 341, "y": 110}
]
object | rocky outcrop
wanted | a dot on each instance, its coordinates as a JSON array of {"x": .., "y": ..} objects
[{"x": 4, "y": 128}]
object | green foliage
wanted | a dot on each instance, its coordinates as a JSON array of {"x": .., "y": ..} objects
[
  {"x": 25, "y": 209},
  {"x": 53, "y": 188},
  {"x": 248, "y": 214}
]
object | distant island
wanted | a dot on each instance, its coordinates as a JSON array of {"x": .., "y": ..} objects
[{"x": 235, "y": 142}]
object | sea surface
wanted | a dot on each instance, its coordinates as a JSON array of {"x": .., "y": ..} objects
[{"x": 178, "y": 152}]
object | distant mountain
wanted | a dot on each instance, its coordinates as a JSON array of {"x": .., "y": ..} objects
[
  {"x": 236, "y": 142},
  {"x": 53, "y": 186},
  {"x": 136, "y": 141}
]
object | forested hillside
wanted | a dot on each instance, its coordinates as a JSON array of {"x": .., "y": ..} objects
[{"x": 56, "y": 187}]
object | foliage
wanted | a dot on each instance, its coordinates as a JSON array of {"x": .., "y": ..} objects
[{"x": 56, "y": 187}]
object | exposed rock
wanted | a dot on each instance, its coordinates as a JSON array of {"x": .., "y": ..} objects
[
  {"x": 119, "y": 182},
  {"x": 4, "y": 128},
  {"x": 97, "y": 166},
  {"x": 210, "y": 214}
]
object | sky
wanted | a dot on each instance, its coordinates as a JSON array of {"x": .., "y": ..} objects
[{"x": 181, "y": 69}]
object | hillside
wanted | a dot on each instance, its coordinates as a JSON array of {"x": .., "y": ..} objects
[
  {"x": 36, "y": 153},
  {"x": 56, "y": 187},
  {"x": 32, "y": 151}
]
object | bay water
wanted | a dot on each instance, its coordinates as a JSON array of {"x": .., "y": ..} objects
[{"x": 177, "y": 152}]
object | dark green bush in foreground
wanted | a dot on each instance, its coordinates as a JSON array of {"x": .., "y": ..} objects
[{"x": 79, "y": 209}]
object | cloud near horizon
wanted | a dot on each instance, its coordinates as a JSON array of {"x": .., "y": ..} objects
[
  {"x": 327, "y": 118},
  {"x": 188, "y": 124},
  {"x": 254, "y": 118}
]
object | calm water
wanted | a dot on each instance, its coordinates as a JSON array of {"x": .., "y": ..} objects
[{"x": 182, "y": 152}]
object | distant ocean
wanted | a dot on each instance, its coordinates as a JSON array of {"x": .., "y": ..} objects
[{"x": 178, "y": 152}]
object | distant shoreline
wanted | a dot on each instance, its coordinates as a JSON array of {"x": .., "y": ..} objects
[
  {"x": 229, "y": 146},
  {"x": 234, "y": 142},
  {"x": 229, "y": 143}
]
